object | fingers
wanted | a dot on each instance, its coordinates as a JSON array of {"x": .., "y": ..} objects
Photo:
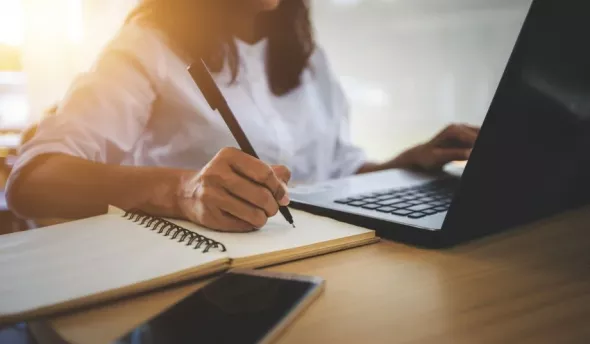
[
  {"x": 228, "y": 222},
  {"x": 255, "y": 194},
  {"x": 258, "y": 172},
  {"x": 473, "y": 128},
  {"x": 223, "y": 221},
  {"x": 282, "y": 172},
  {"x": 457, "y": 135},
  {"x": 234, "y": 192},
  {"x": 262, "y": 174},
  {"x": 284, "y": 175},
  {"x": 210, "y": 216},
  {"x": 227, "y": 212},
  {"x": 242, "y": 210},
  {"x": 442, "y": 156},
  {"x": 220, "y": 220}
]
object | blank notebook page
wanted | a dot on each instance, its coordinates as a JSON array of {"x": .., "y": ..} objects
[
  {"x": 51, "y": 265},
  {"x": 279, "y": 235}
]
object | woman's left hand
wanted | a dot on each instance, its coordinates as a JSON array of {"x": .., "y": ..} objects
[{"x": 453, "y": 143}]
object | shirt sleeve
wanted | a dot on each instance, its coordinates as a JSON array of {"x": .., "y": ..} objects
[
  {"x": 347, "y": 158},
  {"x": 102, "y": 115}
]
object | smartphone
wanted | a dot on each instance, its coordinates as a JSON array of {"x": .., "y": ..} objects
[{"x": 242, "y": 306}]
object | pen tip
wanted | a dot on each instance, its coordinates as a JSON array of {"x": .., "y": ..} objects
[{"x": 293, "y": 225}]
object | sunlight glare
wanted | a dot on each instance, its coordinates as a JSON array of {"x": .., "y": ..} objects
[
  {"x": 55, "y": 21},
  {"x": 75, "y": 21},
  {"x": 11, "y": 22}
]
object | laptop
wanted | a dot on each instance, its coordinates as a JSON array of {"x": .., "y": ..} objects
[{"x": 531, "y": 159}]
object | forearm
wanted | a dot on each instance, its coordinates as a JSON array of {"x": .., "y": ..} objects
[
  {"x": 61, "y": 186},
  {"x": 404, "y": 160}
]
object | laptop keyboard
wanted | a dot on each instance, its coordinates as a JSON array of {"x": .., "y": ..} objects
[{"x": 413, "y": 202}]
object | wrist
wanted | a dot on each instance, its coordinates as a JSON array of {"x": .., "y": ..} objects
[
  {"x": 155, "y": 191},
  {"x": 398, "y": 162},
  {"x": 408, "y": 159}
]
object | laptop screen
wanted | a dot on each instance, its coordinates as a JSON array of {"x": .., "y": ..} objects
[{"x": 532, "y": 158}]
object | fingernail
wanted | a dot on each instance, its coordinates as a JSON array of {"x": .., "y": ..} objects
[{"x": 285, "y": 200}]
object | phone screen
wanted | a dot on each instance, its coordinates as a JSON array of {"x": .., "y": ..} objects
[{"x": 236, "y": 308}]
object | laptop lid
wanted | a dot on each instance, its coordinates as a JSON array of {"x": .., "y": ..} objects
[{"x": 532, "y": 158}]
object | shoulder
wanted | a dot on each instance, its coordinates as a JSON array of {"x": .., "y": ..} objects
[
  {"x": 319, "y": 64},
  {"x": 143, "y": 47},
  {"x": 328, "y": 85},
  {"x": 320, "y": 72}
]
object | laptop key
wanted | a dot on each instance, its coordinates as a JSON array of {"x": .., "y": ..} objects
[
  {"x": 355, "y": 198},
  {"x": 430, "y": 211},
  {"x": 419, "y": 207},
  {"x": 441, "y": 208},
  {"x": 437, "y": 203},
  {"x": 416, "y": 215},
  {"x": 357, "y": 203},
  {"x": 403, "y": 205},
  {"x": 386, "y": 209},
  {"x": 370, "y": 200},
  {"x": 391, "y": 201},
  {"x": 371, "y": 206},
  {"x": 401, "y": 212}
]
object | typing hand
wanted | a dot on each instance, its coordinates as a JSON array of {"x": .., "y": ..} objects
[
  {"x": 234, "y": 192},
  {"x": 453, "y": 143}
]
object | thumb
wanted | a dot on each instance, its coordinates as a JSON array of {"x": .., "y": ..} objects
[{"x": 282, "y": 172}]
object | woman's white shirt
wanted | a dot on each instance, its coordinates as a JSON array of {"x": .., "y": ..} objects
[{"x": 139, "y": 106}]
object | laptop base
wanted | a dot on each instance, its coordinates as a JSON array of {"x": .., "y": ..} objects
[{"x": 419, "y": 237}]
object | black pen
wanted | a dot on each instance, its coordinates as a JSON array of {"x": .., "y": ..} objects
[{"x": 212, "y": 93}]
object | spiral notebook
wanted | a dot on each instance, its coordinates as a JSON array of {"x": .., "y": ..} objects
[{"x": 79, "y": 263}]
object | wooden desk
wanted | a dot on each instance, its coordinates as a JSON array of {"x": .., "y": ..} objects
[{"x": 531, "y": 285}]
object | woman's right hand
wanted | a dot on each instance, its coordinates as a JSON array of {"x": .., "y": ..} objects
[{"x": 234, "y": 192}]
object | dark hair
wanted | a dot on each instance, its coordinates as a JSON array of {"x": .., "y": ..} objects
[{"x": 199, "y": 28}]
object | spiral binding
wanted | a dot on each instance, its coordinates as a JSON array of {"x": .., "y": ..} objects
[{"x": 173, "y": 230}]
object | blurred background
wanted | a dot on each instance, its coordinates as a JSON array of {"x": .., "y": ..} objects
[{"x": 409, "y": 67}]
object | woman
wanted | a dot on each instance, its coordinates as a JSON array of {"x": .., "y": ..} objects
[{"x": 136, "y": 132}]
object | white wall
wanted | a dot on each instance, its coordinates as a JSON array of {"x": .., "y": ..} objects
[{"x": 410, "y": 67}]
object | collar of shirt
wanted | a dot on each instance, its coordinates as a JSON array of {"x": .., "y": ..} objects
[{"x": 252, "y": 60}]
